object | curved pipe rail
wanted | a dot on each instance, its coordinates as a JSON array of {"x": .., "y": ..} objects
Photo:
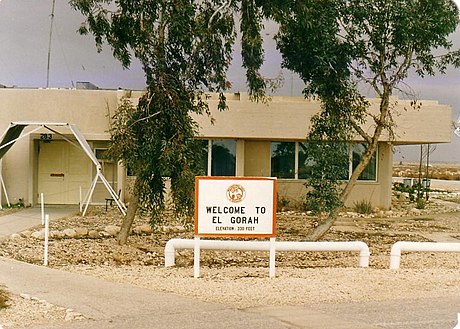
[
  {"x": 395, "y": 254},
  {"x": 173, "y": 244}
]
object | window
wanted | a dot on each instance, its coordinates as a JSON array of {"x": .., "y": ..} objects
[
  {"x": 370, "y": 172},
  {"x": 283, "y": 159},
  {"x": 109, "y": 168},
  {"x": 306, "y": 163},
  {"x": 289, "y": 160},
  {"x": 223, "y": 157},
  {"x": 203, "y": 149},
  {"x": 218, "y": 157}
]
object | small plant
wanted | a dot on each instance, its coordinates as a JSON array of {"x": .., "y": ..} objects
[
  {"x": 420, "y": 203},
  {"x": 282, "y": 202},
  {"x": 363, "y": 207},
  {"x": 414, "y": 192}
]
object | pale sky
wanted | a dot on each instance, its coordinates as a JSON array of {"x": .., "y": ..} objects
[{"x": 24, "y": 37}]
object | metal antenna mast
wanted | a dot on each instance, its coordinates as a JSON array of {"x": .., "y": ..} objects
[{"x": 49, "y": 46}]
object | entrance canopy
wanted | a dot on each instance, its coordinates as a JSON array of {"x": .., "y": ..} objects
[{"x": 15, "y": 132}]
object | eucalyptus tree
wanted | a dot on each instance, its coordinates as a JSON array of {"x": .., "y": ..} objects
[
  {"x": 342, "y": 47},
  {"x": 185, "y": 49}
]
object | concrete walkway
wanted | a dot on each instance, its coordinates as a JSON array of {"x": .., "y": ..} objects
[
  {"x": 29, "y": 217},
  {"x": 111, "y": 305},
  {"x": 108, "y": 305}
]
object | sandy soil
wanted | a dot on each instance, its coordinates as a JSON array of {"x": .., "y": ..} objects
[{"x": 226, "y": 277}]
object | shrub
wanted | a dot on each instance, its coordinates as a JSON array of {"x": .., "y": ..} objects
[
  {"x": 282, "y": 202},
  {"x": 363, "y": 207},
  {"x": 420, "y": 203}
]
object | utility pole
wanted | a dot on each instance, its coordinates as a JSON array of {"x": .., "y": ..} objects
[{"x": 49, "y": 46}]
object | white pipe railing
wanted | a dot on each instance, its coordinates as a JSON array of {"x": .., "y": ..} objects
[
  {"x": 173, "y": 244},
  {"x": 395, "y": 254}
]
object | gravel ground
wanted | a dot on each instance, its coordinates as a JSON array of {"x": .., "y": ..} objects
[
  {"x": 226, "y": 277},
  {"x": 290, "y": 287}
]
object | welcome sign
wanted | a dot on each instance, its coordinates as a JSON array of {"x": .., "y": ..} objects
[{"x": 230, "y": 206}]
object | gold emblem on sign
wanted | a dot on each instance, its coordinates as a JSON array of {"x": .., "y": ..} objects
[{"x": 236, "y": 193}]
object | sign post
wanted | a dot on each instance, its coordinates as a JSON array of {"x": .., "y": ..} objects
[{"x": 235, "y": 207}]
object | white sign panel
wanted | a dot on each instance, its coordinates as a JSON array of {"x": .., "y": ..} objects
[{"x": 229, "y": 206}]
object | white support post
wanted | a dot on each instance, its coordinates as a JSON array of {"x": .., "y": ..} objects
[
  {"x": 90, "y": 193},
  {"x": 114, "y": 195},
  {"x": 42, "y": 206},
  {"x": 196, "y": 257},
  {"x": 272, "y": 258},
  {"x": 45, "y": 253},
  {"x": 21, "y": 136},
  {"x": 2, "y": 183},
  {"x": 80, "y": 199}
]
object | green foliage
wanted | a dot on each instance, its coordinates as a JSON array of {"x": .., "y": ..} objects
[
  {"x": 328, "y": 164},
  {"x": 163, "y": 148},
  {"x": 185, "y": 48},
  {"x": 337, "y": 47},
  {"x": 363, "y": 207},
  {"x": 420, "y": 203},
  {"x": 415, "y": 191},
  {"x": 18, "y": 205}
]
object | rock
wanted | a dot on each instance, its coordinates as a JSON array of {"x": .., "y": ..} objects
[
  {"x": 179, "y": 228},
  {"x": 174, "y": 229},
  {"x": 26, "y": 233},
  {"x": 38, "y": 234},
  {"x": 93, "y": 234},
  {"x": 112, "y": 229},
  {"x": 69, "y": 233},
  {"x": 81, "y": 232},
  {"x": 56, "y": 234},
  {"x": 143, "y": 229},
  {"x": 71, "y": 315},
  {"x": 415, "y": 211},
  {"x": 105, "y": 234},
  {"x": 15, "y": 236}
]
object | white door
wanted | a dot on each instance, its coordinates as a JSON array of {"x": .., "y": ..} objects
[{"x": 62, "y": 169}]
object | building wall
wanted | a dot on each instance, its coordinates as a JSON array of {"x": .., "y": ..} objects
[
  {"x": 378, "y": 192},
  {"x": 253, "y": 125},
  {"x": 288, "y": 118},
  {"x": 257, "y": 158},
  {"x": 88, "y": 109}
]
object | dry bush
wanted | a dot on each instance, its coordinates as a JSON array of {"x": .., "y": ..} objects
[{"x": 4, "y": 298}]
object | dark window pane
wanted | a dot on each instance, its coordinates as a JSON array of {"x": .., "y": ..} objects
[
  {"x": 370, "y": 172},
  {"x": 305, "y": 164},
  {"x": 283, "y": 159},
  {"x": 223, "y": 157},
  {"x": 203, "y": 149}
]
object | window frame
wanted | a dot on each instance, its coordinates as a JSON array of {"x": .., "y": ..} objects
[
  {"x": 105, "y": 161},
  {"x": 296, "y": 160},
  {"x": 210, "y": 155},
  {"x": 350, "y": 162}
]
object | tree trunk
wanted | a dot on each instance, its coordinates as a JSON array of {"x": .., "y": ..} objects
[
  {"x": 323, "y": 226},
  {"x": 327, "y": 223},
  {"x": 128, "y": 219}
]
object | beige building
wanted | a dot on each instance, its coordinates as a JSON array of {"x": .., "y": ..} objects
[{"x": 250, "y": 139}]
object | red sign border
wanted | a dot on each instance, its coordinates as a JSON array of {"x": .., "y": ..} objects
[{"x": 241, "y": 235}]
